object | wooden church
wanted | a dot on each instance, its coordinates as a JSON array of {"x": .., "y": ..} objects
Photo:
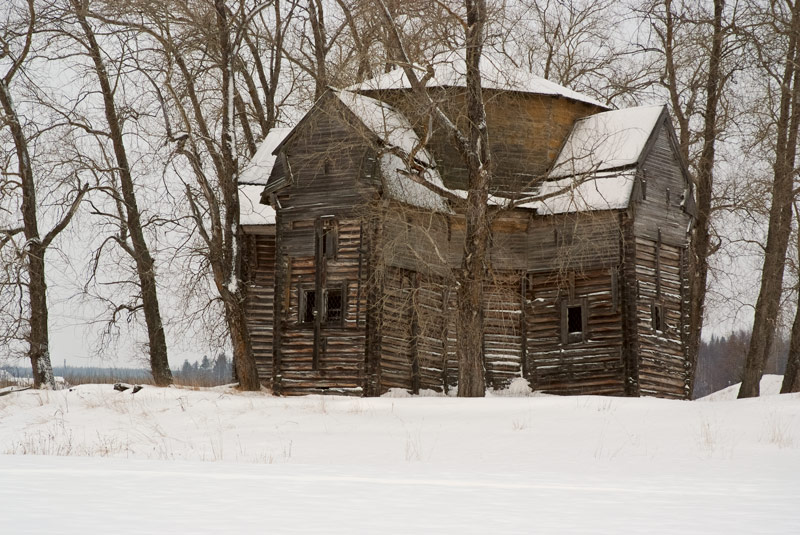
[{"x": 349, "y": 260}]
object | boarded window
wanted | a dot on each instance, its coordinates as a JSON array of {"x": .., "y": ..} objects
[{"x": 328, "y": 238}]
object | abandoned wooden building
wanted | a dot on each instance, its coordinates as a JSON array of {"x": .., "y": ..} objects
[{"x": 349, "y": 260}]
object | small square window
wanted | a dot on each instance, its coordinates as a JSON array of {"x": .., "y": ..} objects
[{"x": 575, "y": 319}]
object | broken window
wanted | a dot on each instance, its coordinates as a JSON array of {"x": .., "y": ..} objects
[
  {"x": 308, "y": 305},
  {"x": 573, "y": 321},
  {"x": 332, "y": 309},
  {"x": 334, "y": 305}
]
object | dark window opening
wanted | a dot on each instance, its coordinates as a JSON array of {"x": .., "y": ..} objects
[
  {"x": 334, "y": 306},
  {"x": 575, "y": 319},
  {"x": 658, "y": 318},
  {"x": 308, "y": 303}
]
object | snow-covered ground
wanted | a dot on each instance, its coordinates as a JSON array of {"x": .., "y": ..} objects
[{"x": 213, "y": 461}]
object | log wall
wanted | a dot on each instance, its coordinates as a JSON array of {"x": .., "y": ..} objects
[
  {"x": 260, "y": 255},
  {"x": 659, "y": 243},
  {"x": 591, "y": 366}
]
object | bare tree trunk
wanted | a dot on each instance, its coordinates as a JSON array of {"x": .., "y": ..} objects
[
  {"x": 780, "y": 217},
  {"x": 791, "y": 377},
  {"x": 233, "y": 291},
  {"x": 36, "y": 245},
  {"x": 701, "y": 241},
  {"x": 469, "y": 297},
  {"x": 38, "y": 337},
  {"x": 145, "y": 266},
  {"x": 474, "y": 149}
]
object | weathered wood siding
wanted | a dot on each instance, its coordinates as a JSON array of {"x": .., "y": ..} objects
[
  {"x": 503, "y": 329},
  {"x": 660, "y": 240},
  {"x": 327, "y": 159},
  {"x": 591, "y": 366},
  {"x": 340, "y": 364},
  {"x": 527, "y": 131},
  {"x": 260, "y": 255}
]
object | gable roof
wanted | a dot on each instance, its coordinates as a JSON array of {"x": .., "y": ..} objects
[
  {"x": 596, "y": 168},
  {"x": 257, "y": 171},
  {"x": 388, "y": 124},
  {"x": 604, "y": 190},
  {"x": 495, "y": 74},
  {"x": 607, "y": 140}
]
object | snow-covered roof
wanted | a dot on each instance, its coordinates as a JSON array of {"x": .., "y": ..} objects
[
  {"x": 495, "y": 74},
  {"x": 251, "y": 211},
  {"x": 607, "y": 140},
  {"x": 397, "y": 135},
  {"x": 604, "y": 190},
  {"x": 399, "y": 186},
  {"x": 257, "y": 171},
  {"x": 388, "y": 124}
]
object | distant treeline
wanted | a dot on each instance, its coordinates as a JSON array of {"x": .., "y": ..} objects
[
  {"x": 203, "y": 372},
  {"x": 721, "y": 360}
]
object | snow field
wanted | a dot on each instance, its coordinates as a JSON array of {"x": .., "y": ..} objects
[{"x": 99, "y": 460}]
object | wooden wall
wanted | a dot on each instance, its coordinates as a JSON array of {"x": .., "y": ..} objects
[
  {"x": 527, "y": 131},
  {"x": 659, "y": 244},
  {"x": 327, "y": 159},
  {"x": 260, "y": 262},
  {"x": 591, "y": 366}
]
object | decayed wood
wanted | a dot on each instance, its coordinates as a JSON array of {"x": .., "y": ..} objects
[{"x": 396, "y": 263}]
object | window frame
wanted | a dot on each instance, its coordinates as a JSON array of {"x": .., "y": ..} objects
[
  {"x": 575, "y": 337},
  {"x": 322, "y": 308},
  {"x": 302, "y": 305},
  {"x": 658, "y": 317}
]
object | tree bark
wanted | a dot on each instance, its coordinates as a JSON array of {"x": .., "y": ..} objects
[
  {"x": 791, "y": 377},
  {"x": 145, "y": 266},
  {"x": 38, "y": 337},
  {"x": 228, "y": 267},
  {"x": 780, "y": 216},
  {"x": 701, "y": 240},
  {"x": 470, "y": 279}
]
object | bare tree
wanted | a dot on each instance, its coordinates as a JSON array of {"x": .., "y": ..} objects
[
  {"x": 781, "y": 20},
  {"x": 16, "y": 43},
  {"x": 130, "y": 236},
  {"x": 696, "y": 60}
]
